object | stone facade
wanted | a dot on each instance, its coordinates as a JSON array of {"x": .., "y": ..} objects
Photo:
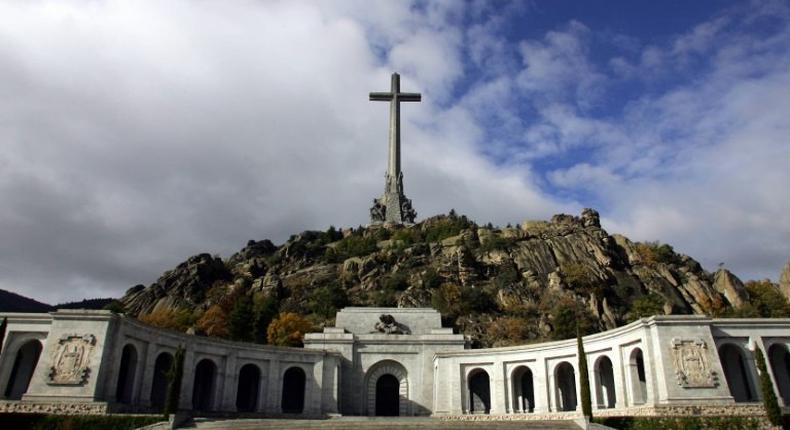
[{"x": 390, "y": 361}]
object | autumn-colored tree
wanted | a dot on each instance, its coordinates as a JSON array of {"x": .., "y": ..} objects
[
  {"x": 288, "y": 329},
  {"x": 214, "y": 322},
  {"x": 507, "y": 331},
  {"x": 173, "y": 319}
]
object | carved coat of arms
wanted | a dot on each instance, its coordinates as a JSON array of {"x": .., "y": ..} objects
[
  {"x": 692, "y": 364},
  {"x": 70, "y": 363}
]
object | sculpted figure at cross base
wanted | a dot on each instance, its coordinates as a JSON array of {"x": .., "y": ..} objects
[
  {"x": 388, "y": 325},
  {"x": 377, "y": 212}
]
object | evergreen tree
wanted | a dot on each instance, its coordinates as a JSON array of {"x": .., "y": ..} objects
[
  {"x": 3, "y": 326},
  {"x": 241, "y": 320},
  {"x": 174, "y": 376},
  {"x": 265, "y": 312},
  {"x": 767, "y": 389},
  {"x": 584, "y": 377}
]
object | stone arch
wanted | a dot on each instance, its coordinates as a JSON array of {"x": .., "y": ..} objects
[
  {"x": 479, "y": 385},
  {"x": 25, "y": 363},
  {"x": 203, "y": 386},
  {"x": 604, "y": 383},
  {"x": 637, "y": 376},
  {"x": 736, "y": 372},
  {"x": 523, "y": 389},
  {"x": 247, "y": 390},
  {"x": 380, "y": 393},
  {"x": 565, "y": 379},
  {"x": 779, "y": 359},
  {"x": 163, "y": 363},
  {"x": 124, "y": 389},
  {"x": 293, "y": 390}
]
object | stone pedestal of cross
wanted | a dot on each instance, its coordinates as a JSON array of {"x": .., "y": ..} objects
[{"x": 393, "y": 206}]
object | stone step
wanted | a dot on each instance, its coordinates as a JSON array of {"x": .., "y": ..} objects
[{"x": 376, "y": 423}]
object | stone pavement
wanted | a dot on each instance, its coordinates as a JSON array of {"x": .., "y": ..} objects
[{"x": 376, "y": 423}]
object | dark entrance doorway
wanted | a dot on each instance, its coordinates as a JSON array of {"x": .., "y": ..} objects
[
  {"x": 159, "y": 386},
  {"x": 125, "y": 388},
  {"x": 293, "y": 391},
  {"x": 247, "y": 393},
  {"x": 387, "y": 396},
  {"x": 479, "y": 392},
  {"x": 202, "y": 391},
  {"x": 24, "y": 364}
]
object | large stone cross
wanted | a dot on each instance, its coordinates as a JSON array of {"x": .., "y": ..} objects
[{"x": 393, "y": 206}]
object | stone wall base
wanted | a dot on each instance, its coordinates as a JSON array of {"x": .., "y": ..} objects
[{"x": 59, "y": 408}]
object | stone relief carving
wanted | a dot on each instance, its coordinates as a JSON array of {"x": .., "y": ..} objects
[
  {"x": 388, "y": 325},
  {"x": 70, "y": 363},
  {"x": 691, "y": 358}
]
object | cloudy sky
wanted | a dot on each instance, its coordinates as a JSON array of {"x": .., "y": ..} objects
[{"x": 134, "y": 134}]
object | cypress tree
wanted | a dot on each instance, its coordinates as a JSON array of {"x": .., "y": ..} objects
[
  {"x": 241, "y": 320},
  {"x": 174, "y": 376},
  {"x": 584, "y": 377},
  {"x": 3, "y": 326},
  {"x": 767, "y": 389}
]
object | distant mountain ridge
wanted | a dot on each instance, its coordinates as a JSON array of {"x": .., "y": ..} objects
[{"x": 13, "y": 302}]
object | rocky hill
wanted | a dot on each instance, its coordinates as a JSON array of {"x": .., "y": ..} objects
[{"x": 498, "y": 285}]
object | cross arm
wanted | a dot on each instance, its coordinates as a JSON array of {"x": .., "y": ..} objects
[
  {"x": 409, "y": 97},
  {"x": 382, "y": 97}
]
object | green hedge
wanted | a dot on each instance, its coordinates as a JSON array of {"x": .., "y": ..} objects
[
  {"x": 76, "y": 422},
  {"x": 683, "y": 423}
]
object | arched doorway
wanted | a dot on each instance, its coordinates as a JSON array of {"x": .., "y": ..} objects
[
  {"x": 203, "y": 387},
  {"x": 387, "y": 398},
  {"x": 604, "y": 383},
  {"x": 737, "y": 373},
  {"x": 125, "y": 388},
  {"x": 565, "y": 378},
  {"x": 779, "y": 358},
  {"x": 479, "y": 392},
  {"x": 636, "y": 369},
  {"x": 247, "y": 391},
  {"x": 22, "y": 372},
  {"x": 293, "y": 391},
  {"x": 387, "y": 388},
  {"x": 523, "y": 390},
  {"x": 159, "y": 385}
]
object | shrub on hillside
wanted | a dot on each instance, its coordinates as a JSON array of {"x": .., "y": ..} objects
[
  {"x": 173, "y": 319},
  {"x": 288, "y": 329}
]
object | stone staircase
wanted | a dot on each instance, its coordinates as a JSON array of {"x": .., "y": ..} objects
[{"x": 375, "y": 423}]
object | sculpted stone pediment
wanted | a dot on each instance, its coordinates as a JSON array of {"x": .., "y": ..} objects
[
  {"x": 70, "y": 362},
  {"x": 691, "y": 358}
]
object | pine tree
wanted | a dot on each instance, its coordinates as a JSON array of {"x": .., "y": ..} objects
[
  {"x": 584, "y": 377},
  {"x": 174, "y": 376},
  {"x": 264, "y": 314},
  {"x": 241, "y": 319},
  {"x": 767, "y": 389}
]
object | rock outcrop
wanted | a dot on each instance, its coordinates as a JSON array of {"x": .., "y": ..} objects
[{"x": 475, "y": 275}]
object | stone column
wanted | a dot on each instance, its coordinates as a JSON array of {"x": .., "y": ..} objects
[
  {"x": 263, "y": 393},
  {"x": 188, "y": 379},
  {"x": 541, "y": 386},
  {"x": 146, "y": 372},
  {"x": 618, "y": 372},
  {"x": 274, "y": 388},
  {"x": 498, "y": 380},
  {"x": 229, "y": 383}
]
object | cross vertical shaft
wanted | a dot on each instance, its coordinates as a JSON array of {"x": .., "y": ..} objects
[{"x": 393, "y": 206}]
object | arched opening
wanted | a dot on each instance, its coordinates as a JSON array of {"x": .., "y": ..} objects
[
  {"x": 479, "y": 392},
  {"x": 780, "y": 365},
  {"x": 565, "y": 378},
  {"x": 387, "y": 397},
  {"x": 159, "y": 384},
  {"x": 293, "y": 391},
  {"x": 387, "y": 388},
  {"x": 203, "y": 388},
  {"x": 636, "y": 369},
  {"x": 247, "y": 392},
  {"x": 523, "y": 390},
  {"x": 125, "y": 388},
  {"x": 737, "y": 374},
  {"x": 22, "y": 372},
  {"x": 604, "y": 383}
]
